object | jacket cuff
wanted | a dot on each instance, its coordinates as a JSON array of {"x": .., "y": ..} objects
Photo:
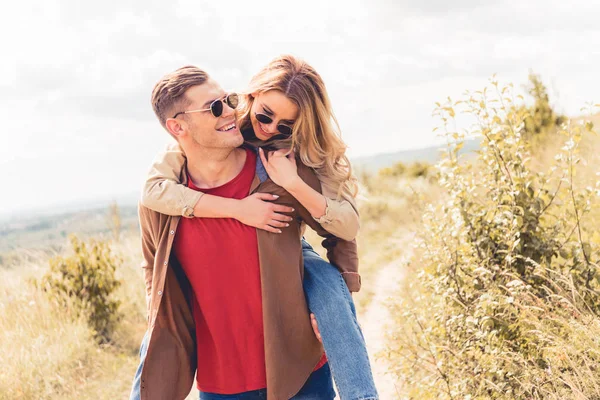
[
  {"x": 353, "y": 281},
  {"x": 190, "y": 200},
  {"x": 329, "y": 215}
]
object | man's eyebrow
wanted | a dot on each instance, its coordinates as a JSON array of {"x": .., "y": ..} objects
[{"x": 208, "y": 103}]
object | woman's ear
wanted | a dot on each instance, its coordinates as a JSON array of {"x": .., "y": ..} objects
[{"x": 175, "y": 127}]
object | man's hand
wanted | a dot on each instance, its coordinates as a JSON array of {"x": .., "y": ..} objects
[
  {"x": 315, "y": 327},
  {"x": 257, "y": 211}
]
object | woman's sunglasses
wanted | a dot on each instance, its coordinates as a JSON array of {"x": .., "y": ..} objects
[
  {"x": 216, "y": 107},
  {"x": 265, "y": 119}
]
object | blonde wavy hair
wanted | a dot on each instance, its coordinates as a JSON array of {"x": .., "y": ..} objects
[{"x": 316, "y": 133}]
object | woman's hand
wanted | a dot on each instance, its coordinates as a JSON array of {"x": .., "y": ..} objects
[
  {"x": 257, "y": 211},
  {"x": 315, "y": 326},
  {"x": 281, "y": 167}
]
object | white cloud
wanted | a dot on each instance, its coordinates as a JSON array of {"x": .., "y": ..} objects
[{"x": 76, "y": 78}]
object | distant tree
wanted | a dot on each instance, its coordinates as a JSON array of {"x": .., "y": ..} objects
[{"x": 540, "y": 118}]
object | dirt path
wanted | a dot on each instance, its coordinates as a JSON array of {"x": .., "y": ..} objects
[{"x": 374, "y": 321}]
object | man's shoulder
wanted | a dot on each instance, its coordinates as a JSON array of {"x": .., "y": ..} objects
[{"x": 309, "y": 175}]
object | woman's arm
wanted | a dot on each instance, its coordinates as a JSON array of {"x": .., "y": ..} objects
[
  {"x": 339, "y": 217},
  {"x": 163, "y": 192}
]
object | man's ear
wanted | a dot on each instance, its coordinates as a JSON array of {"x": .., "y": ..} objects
[{"x": 175, "y": 127}]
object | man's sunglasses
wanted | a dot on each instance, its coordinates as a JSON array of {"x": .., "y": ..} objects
[
  {"x": 282, "y": 128},
  {"x": 216, "y": 107}
]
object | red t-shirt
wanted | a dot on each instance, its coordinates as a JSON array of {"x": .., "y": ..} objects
[{"x": 220, "y": 259}]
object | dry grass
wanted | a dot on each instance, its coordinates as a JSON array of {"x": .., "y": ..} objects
[{"x": 47, "y": 352}]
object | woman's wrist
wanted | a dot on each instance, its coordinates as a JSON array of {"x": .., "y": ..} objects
[
  {"x": 313, "y": 201},
  {"x": 294, "y": 185},
  {"x": 210, "y": 206}
]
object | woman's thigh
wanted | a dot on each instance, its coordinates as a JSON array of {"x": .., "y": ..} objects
[{"x": 324, "y": 286}]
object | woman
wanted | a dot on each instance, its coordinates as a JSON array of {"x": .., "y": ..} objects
[{"x": 287, "y": 108}]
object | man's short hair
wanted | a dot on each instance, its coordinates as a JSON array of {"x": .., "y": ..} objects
[{"x": 169, "y": 92}]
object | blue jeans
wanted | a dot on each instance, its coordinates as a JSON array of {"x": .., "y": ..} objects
[
  {"x": 329, "y": 299},
  {"x": 317, "y": 387},
  {"x": 137, "y": 380}
]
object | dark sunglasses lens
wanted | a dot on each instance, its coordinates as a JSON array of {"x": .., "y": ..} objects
[
  {"x": 216, "y": 108},
  {"x": 263, "y": 119},
  {"x": 232, "y": 100},
  {"x": 284, "y": 129}
]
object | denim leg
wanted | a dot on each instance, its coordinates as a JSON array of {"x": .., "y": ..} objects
[
  {"x": 137, "y": 380},
  {"x": 329, "y": 299},
  {"x": 318, "y": 386}
]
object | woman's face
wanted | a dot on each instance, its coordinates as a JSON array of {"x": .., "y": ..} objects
[{"x": 275, "y": 105}]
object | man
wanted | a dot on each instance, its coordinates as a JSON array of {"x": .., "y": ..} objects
[{"x": 224, "y": 299}]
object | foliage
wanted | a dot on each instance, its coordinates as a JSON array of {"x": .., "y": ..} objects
[
  {"x": 86, "y": 279},
  {"x": 507, "y": 303},
  {"x": 540, "y": 120},
  {"x": 415, "y": 170}
]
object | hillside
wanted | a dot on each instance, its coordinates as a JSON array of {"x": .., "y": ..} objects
[{"x": 428, "y": 154}]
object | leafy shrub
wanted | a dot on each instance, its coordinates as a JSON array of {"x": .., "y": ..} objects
[
  {"x": 86, "y": 279},
  {"x": 507, "y": 300},
  {"x": 414, "y": 170},
  {"x": 541, "y": 120}
]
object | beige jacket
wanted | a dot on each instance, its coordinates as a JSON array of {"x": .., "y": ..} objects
[
  {"x": 291, "y": 348},
  {"x": 162, "y": 192}
]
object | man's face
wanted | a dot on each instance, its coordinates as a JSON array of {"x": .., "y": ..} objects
[{"x": 203, "y": 128}]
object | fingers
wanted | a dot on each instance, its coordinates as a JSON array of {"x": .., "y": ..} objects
[
  {"x": 280, "y": 208},
  {"x": 315, "y": 326},
  {"x": 266, "y": 196},
  {"x": 292, "y": 158},
  {"x": 269, "y": 228},
  {"x": 278, "y": 224},
  {"x": 261, "y": 153},
  {"x": 281, "y": 217}
]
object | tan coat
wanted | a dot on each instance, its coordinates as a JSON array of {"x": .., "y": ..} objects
[{"x": 291, "y": 348}]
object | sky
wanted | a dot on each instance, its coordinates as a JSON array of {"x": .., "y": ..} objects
[{"x": 76, "y": 77}]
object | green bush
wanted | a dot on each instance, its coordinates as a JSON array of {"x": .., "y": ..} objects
[
  {"x": 507, "y": 300},
  {"x": 417, "y": 169},
  {"x": 540, "y": 120},
  {"x": 87, "y": 280}
]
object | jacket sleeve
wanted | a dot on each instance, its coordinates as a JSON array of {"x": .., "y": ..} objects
[
  {"x": 163, "y": 191},
  {"x": 341, "y": 216},
  {"x": 148, "y": 251},
  {"x": 343, "y": 254}
]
